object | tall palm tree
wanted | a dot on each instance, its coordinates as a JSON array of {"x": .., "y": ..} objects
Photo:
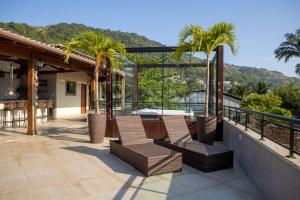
[
  {"x": 290, "y": 48},
  {"x": 194, "y": 38},
  {"x": 101, "y": 48}
]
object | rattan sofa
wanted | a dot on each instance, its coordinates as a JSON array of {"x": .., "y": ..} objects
[
  {"x": 198, "y": 155},
  {"x": 134, "y": 148}
]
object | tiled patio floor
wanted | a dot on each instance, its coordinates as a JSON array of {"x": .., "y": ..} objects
[{"x": 60, "y": 163}]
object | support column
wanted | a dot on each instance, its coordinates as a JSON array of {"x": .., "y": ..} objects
[
  {"x": 31, "y": 96},
  {"x": 219, "y": 92},
  {"x": 92, "y": 92},
  {"x": 123, "y": 93},
  {"x": 109, "y": 108}
]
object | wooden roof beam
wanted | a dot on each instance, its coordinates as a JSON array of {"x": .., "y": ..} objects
[{"x": 24, "y": 53}]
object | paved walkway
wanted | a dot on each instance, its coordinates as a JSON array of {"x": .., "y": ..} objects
[{"x": 61, "y": 164}]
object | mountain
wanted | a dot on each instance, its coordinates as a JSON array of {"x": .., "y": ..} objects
[
  {"x": 59, "y": 33},
  {"x": 251, "y": 75}
]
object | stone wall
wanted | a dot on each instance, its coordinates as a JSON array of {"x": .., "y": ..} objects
[
  {"x": 275, "y": 176},
  {"x": 47, "y": 91}
]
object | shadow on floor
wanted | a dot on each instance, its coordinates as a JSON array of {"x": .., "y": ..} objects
[
  {"x": 101, "y": 154},
  {"x": 60, "y": 133},
  {"x": 12, "y": 130},
  {"x": 79, "y": 119},
  {"x": 111, "y": 160}
]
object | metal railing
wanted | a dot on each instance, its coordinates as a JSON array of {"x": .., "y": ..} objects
[
  {"x": 282, "y": 130},
  {"x": 186, "y": 106}
]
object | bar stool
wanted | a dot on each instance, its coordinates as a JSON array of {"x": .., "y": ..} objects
[
  {"x": 42, "y": 105},
  {"x": 49, "y": 107},
  {"x": 2, "y": 115},
  {"x": 9, "y": 107},
  {"x": 21, "y": 108}
]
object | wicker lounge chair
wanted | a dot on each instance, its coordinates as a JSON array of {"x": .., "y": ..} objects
[
  {"x": 134, "y": 148},
  {"x": 198, "y": 155}
]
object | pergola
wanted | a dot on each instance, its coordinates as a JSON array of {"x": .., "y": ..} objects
[{"x": 137, "y": 66}]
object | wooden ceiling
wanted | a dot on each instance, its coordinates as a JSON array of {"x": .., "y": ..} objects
[{"x": 19, "y": 49}]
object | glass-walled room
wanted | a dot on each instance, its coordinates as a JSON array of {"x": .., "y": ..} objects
[{"x": 158, "y": 84}]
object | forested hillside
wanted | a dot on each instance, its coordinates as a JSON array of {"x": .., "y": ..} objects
[
  {"x": 251, "y": 76},
  {"x": 59, "y": 33}
]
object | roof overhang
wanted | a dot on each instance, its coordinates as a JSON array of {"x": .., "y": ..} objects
[{"x": 14, "y": 46}]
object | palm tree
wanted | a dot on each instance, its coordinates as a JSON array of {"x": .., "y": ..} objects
[
  {"x": 290, "y": 48},
  {"x": 194, "y": 38},
  {"x": 101, "y": 48}
]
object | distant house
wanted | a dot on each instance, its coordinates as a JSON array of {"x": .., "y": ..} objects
[{"x": 198, "y": 97}]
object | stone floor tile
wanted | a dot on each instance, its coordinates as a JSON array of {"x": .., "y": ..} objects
[
  {"x": 62, "y": 164},
  {"x": 100, "y": 185}
]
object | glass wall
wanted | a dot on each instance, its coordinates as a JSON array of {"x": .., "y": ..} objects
[{"x": 165, "y": 87}]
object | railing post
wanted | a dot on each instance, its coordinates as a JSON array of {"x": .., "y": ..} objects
[
  {"x": 236, "y": 116},
  {"x": 262, "y": 127},
  {"x": 229, "y": 117},
  {"x": 186, "y": 106},
  {"x": 246, "y": 122},
  {"x": 292, "y": 140}
]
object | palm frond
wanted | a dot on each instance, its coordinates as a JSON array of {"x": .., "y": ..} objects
[
  {"x": 190, "y": 39},
  {"x": 223, "y": 34},
  {"x": 290, "y": 47},
  {"x": 97, "y": 45},
  {"x": 195, "y": 38}
]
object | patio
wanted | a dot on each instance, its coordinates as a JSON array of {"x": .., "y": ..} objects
[{"x": 60, "y": 163}]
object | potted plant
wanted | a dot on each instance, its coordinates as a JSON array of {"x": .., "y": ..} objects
[
  {"x": 194, "y": 38},
  {"x": 106, "y": 53}
]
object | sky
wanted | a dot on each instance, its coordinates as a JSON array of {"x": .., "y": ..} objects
[{"x": 260, "y": 24}]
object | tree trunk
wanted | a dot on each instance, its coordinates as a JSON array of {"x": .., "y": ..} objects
[
  {"x": 96, "y": 73},
  {"x": 207, "y": 87}
]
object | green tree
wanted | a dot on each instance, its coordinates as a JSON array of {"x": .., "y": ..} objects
[
  {"x": 290, "y": 95},
  {"x": 261, "y": 87},
  {"x": 269, "y": 103},
  {"x": 194, "y": 38},
  {"x": 239, "y": 90},
  {"x": 102, "y": 48},
  {"x": 156, "y": 86},
  {"x": 290, "y": 48}
]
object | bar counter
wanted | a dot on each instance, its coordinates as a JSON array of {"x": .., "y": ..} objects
[{"x": 13, "y": 113}]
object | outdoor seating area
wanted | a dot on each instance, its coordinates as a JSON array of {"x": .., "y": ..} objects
[
  {"x": 61, "y": 164},
  {"x": 154, "y": 128},
  {"x": 13, "y": 113}
]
